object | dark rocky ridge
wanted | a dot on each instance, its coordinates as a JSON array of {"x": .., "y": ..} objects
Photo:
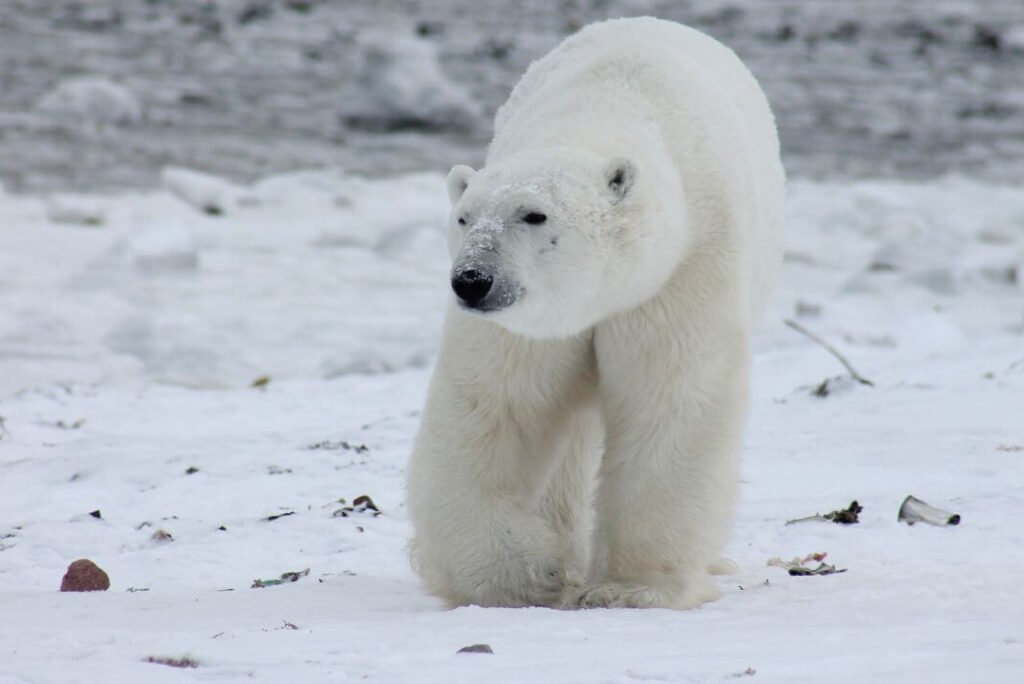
[{"x": 248, "y": 87}]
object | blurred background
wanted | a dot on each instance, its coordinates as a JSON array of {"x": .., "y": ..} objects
[{"x": 101, "y": 94}]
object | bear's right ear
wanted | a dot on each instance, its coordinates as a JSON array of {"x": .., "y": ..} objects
[{"x": 458, "y": 181}]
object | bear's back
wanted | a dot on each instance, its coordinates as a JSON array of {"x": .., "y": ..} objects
[
  {"x": 654, "y": 39},
  {"x": 645, "y": 54}
]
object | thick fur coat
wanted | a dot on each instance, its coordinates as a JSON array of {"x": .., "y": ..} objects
[{"x": 580, "y": 444}]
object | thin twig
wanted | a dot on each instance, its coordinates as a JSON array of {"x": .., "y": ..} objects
[{"x": 830, "y": 349}]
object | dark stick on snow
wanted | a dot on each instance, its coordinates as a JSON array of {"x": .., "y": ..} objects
[{"x": 830, "y": 349}]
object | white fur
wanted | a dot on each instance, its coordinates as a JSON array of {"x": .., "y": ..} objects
[{"x": 580, "y": 443}]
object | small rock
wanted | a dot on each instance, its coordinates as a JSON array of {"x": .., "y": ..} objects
[
  {"x": 84, "y": 575},
  {"x": 476, "y": 648},
  {"x": 161, "y": 536}
]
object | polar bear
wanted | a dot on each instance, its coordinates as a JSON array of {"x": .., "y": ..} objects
[{"x": 580, "y": 441}]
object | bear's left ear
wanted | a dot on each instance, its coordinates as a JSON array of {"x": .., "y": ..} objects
[
  {"x": 619, "y": 175},
  {"x": 458, "y": 181}
]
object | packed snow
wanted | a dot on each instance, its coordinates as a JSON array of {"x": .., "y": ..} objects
[{"x": 197, "y": 382}]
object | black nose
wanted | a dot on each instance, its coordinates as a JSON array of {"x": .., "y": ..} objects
[{"x": 471, "y": 286}]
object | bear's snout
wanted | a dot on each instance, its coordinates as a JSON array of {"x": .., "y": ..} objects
[{"x": 472, "y": 286}]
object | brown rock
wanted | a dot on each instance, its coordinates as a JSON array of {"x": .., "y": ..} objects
[
  {"x": 161, "y": 536},
  {"x": 84, "y": 575}
]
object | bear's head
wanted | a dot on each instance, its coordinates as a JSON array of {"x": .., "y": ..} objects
[{"x": 547, "y": 245}]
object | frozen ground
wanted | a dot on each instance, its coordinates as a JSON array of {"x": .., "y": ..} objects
[
  {"x": 126, "y": 363},
  {"x": 245, "y": 88}
]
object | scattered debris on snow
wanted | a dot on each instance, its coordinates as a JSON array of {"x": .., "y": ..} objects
[
  {"x": 285, "y": 625},
  {"x": 361, "y": 504},
  {"x": 73, "y": 425},
  {"x": 476, "y": 648},
  {"x": 822, "y": 569},
  {"x": 182, "y": 662},
  {"x": 844, "y": 516},
  {"x": 828, "y": 386},
  {"x": 287, "y": 577},
  {"x": 328, "y": 445},
  {"x": 837, "y": 384},
  {"x": 914, "y": 510},
  {"x": 798, "y": 567}
]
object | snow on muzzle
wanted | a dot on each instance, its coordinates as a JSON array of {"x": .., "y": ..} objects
[{"x": 480, "y": 280}]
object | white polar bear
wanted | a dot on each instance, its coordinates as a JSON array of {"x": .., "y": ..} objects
[{"x": 581, "y": 438}]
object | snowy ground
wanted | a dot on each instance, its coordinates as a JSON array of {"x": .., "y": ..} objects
[{"x": 127, "y": 357}]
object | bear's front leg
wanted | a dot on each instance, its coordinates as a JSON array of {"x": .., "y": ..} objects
[
  {"x": 492, "y": 433},
  {"x": 674, "y": 402}
]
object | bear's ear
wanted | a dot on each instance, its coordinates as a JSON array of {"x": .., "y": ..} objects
[
  {"x": 458, "y": 181},
  {"x": 619, "y": 175}
]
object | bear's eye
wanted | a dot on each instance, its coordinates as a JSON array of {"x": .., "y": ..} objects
[
  {"x": 535, "y": 218},
  {"x": 462, "y": 221}
]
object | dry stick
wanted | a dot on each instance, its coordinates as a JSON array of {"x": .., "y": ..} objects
[{"x": 832, "y": 350}]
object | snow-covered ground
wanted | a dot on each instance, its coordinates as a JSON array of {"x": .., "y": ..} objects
[{"x": 133, "y": 326}]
